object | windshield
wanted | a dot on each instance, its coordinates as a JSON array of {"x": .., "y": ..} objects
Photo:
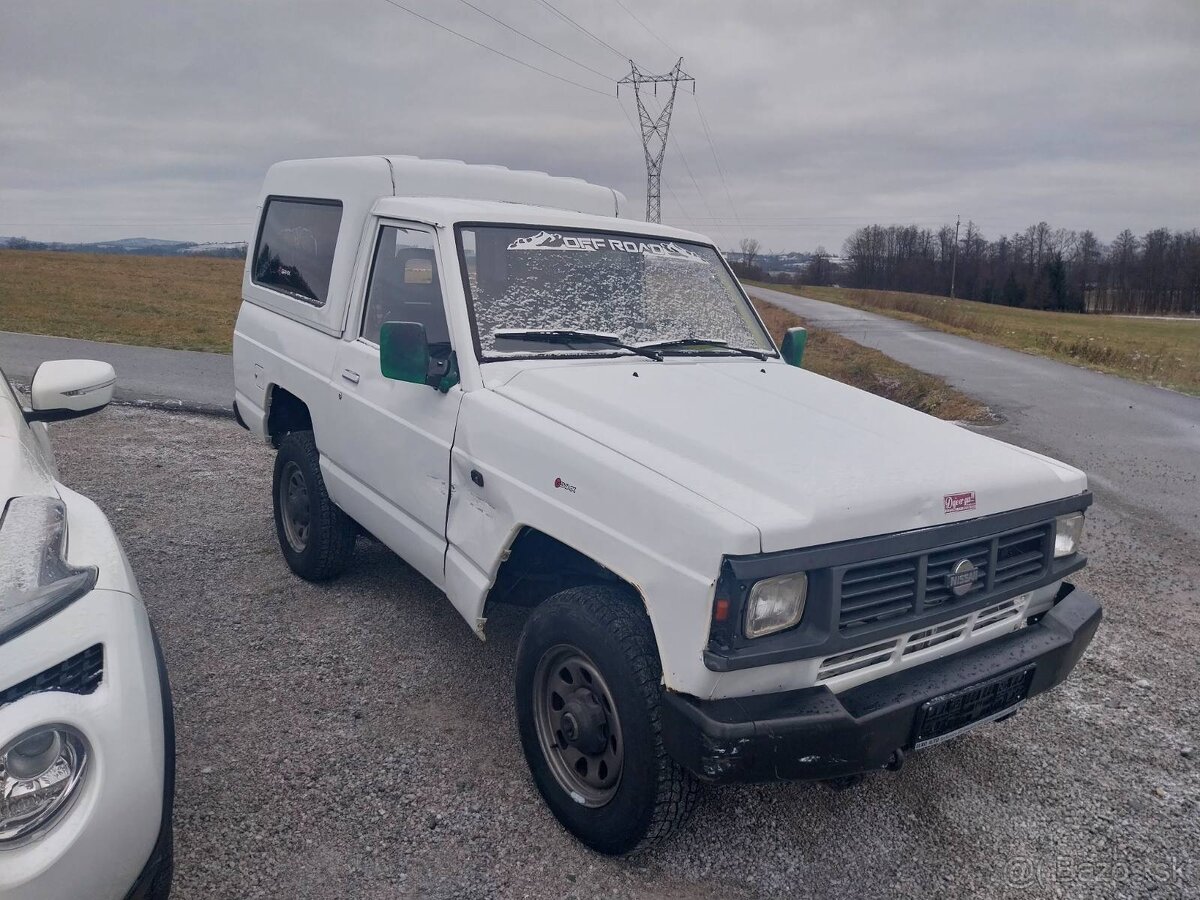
[{"x": 623, "y": 289}]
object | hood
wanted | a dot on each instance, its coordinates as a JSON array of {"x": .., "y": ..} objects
[
  {"x": 23, "y": 466},
  {"x": 803, "y": 458}
]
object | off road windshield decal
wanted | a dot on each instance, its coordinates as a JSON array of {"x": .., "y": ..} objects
[{"x": 547, "y": 240}]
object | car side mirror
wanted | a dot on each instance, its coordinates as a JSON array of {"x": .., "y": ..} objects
[
  {"x": 403, "y": 352},
  {"x": 405, "y": 355},
  {"x": 69, "y": 388},
  {"x": 793, "y": 346}
]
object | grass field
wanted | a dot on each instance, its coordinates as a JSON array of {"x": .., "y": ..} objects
[
  {"x": 191, "y": 304},
  {"x": 1158, "y": 351},
  {"x": 183, "y": 304}
]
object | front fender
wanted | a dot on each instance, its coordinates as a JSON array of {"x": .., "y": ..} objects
[{"x": 661, "y": 538}]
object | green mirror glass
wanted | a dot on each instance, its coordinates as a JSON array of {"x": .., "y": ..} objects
[
  {"x": 793, "y": 346},
  {"x": 404, "y": 352}
]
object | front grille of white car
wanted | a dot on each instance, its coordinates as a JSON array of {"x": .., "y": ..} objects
[
  {"x": 80, "y": 674},
  {"x": 877, "y": 593},
  {"x": 898, "y": 652}
]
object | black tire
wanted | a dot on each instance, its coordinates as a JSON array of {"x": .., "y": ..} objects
[
  {"x": 321, "y": 548},
  {"x": 653, "y": 795},
  {"x": 160, "y": 884}
]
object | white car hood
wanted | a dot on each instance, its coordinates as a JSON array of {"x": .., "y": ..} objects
[{"x": 805, "y": 459}]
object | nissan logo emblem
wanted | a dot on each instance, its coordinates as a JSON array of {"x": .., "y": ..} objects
[{"x": 962, "y": 577}]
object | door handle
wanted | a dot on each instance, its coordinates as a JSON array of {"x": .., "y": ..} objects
[{"x": 350, "y": 376}]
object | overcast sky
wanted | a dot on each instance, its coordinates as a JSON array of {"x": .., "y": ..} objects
[{"x": 158, "y": 118}]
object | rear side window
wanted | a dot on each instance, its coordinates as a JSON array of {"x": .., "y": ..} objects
[{"x": 295, "y": 247}]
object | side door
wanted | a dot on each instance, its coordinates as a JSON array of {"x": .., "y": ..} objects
[{"x": 388, "y": 457}]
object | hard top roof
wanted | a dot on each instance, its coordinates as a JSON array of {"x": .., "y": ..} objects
[{"x": 358, "y": 181}]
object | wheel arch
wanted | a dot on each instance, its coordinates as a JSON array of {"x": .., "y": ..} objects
[
  {"x": 537, "y": 565},
  {"x": 286, "y": 412}
]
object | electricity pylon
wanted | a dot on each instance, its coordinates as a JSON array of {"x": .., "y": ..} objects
[{"x": 654, "y": 128}]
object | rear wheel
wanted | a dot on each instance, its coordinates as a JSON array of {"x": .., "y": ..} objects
[
  {"x": 588, "y": 691},
  {"x": 317, "y": 538}
]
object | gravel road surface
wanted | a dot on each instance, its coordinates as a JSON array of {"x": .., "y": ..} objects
[
  {"x": 1140, "y": 445},
  {"x": 355, "y": 740}
]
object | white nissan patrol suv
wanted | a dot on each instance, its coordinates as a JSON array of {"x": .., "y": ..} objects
[
  {"x": 738, "y": 570},
  {"x": 87, "y": 736}
]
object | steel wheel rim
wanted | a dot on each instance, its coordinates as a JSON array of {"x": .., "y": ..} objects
[
  {"x": 577, "y": 725},
  {"x": 295, "y": 510}
]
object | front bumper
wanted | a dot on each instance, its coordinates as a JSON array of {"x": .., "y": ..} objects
[
  {"x": 814, "y": 733},
  {"x": 100, "y": 845}
]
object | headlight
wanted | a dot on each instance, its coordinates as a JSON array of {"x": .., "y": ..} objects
[
  {"x": 35, "y": 579},
  {"x": 775, "y": 604},
  {"x": 40, "y": 774},
  {"x": 1067, "y": 532}
]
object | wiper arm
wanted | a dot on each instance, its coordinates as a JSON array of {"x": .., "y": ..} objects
[
  {"x": 567, "y": 336},
  {"x": 703, "y": 342}
]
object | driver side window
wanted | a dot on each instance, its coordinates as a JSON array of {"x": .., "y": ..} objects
[{"x": 405, "y": 286}]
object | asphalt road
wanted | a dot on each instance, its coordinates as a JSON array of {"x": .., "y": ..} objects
[
  {"x": 354, "y": 739},
  {"x": 1140, "y": 445},
  {"x": 180, "y": 379}
]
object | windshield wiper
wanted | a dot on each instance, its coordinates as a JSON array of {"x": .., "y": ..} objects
[
  {"x": 568, "y": 336},
  {"x": 703, "y": 342}
]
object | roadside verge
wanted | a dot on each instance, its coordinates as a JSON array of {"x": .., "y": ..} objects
[{"x": 843, "y": 360}]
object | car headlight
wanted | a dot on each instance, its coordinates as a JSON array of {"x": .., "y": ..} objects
[
  {"x": 775, "y": 604},
  {"x": 40, "y": 774},
  {"x": 1067, "y": 532},
  {"x": 35, "y": 579}
]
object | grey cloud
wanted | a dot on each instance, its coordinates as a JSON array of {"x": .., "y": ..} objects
[{"x": 824, "y": 114}]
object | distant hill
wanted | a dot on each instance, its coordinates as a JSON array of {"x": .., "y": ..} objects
[
  {"x": 138, "y": 246},
  {"x": 775, "y": 263}
]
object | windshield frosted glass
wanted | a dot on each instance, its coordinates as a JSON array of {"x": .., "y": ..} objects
[{"x": 638, "y": 289}]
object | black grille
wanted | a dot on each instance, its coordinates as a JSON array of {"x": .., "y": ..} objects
[
  {"x": 878, "y": 592},
  {"x": 1022, "y": 554},
  {"x": 81, "y": 674}
]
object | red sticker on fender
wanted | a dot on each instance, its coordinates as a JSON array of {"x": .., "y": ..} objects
[{"x": 961, "y": 502}]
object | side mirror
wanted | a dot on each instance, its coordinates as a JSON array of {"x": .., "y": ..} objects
[
  {"x": 404, "y": 355},
  {"x": 403, "y": 352},
  {"x": 70, "y": 388},
  {"x": 793, "y": 346}
]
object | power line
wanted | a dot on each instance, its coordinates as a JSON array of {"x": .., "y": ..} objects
[
  {"x": 534, "y": 40},
  {"x": 649, "y": 30},
  {"x": 716, "y": 159},
  {"x": 703, "y": 121},
  {"x": 519, "y": 62},
  {"x": 599, "y": 40}
]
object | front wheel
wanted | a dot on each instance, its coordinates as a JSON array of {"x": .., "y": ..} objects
[
  {"x": 316, "y": 537},
  {"x": 588, "y": 688}
]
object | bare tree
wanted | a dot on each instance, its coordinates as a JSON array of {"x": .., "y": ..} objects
[
  {"x": 749, "y": 248},
  {"x": 819, "y": 270}
]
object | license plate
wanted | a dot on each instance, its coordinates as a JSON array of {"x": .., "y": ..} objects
[{"x": 950, "y": 715}]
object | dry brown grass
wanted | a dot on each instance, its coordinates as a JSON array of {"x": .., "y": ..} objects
[
  {"x": 1159, "y": 351},
  {"x": 179, "y": 303},
  {"x": 832, "y": 355}
]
